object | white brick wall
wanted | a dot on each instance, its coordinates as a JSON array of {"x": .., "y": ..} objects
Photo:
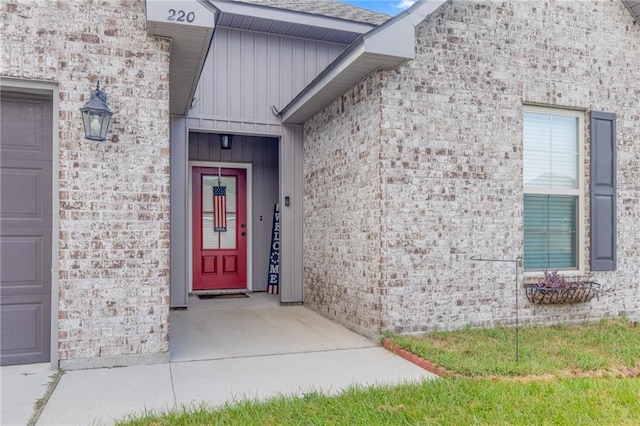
[
  {"x": 342, "y": 209},
  {"x": 447, "y": 154},
  {"x": 114, "y": 196}
]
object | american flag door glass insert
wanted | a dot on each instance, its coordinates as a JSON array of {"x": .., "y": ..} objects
[
  {"x": 220, "y": 209},
  {"x": 212, "y": 240}
]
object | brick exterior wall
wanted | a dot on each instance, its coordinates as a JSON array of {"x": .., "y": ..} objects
[
  {"x": 441, "y": 172},
  {"x": 113, "y": 242},
  {"x": 342, "y": 209}
]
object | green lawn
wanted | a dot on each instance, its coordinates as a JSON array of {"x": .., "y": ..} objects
[
  {"x": 490, "y": 388},
  {"x": 605, "y": 345}
]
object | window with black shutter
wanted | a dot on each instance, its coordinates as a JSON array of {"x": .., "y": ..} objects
[{"x": 603, "y": 191}]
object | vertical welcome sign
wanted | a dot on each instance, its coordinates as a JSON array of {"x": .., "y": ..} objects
[{"x": 274, "y": 255}]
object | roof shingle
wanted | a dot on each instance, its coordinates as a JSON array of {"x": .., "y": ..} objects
[{"x": 329, "y": 8}]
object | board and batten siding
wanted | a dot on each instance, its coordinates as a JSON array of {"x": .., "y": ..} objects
[
  {"x": 248, "y": 72},
  {"x": 244, "y": 75},
  {"x": 262, "y": 153}
]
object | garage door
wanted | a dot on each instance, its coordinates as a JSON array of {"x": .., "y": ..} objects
[{"x": 25, "y": 227}]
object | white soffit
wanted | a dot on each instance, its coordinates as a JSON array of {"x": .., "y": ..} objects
[
  {"x": 238, "y": 11},
  {"x": 634, "y": 8},
  {"x": 189, "y": 24},
  {"x": 387, "y": 46}
]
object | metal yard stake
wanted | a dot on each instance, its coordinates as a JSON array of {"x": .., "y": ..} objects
[{"x": 517, "y": 261}]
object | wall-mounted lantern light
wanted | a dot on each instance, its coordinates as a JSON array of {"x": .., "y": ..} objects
[
  {"x": 96, "y": 116},
  {"x": 226, "y": 141}
]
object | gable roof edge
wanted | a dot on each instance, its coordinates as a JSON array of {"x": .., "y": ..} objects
[
  {"x": 190, "y": 42},
  {"x": 288, "y": 15},
  {"x": 634, "y": 8},
  {"x": 386, "y": 46}
]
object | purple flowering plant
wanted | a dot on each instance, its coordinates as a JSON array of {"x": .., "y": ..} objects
[
  {"x": 553, "y": 288},
  {"x": 555, "y": 280}
]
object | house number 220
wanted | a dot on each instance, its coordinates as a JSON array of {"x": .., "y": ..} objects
[{"x": 181, "y": 16}]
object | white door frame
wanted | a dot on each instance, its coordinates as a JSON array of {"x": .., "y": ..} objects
[{"x": 249, "y": 169}]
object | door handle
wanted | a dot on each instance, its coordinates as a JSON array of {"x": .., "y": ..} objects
[{"x": 244, "y": 234}]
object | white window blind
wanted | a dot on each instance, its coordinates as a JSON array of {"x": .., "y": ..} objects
[
  {"x": 550, "y": 151},
  {"x": 550, "y": 230},
  {"x": 552, "y": 190}
]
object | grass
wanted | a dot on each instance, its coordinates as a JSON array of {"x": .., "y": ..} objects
[
  {"x": 40, "y": 403},
  {"x": 490, "y": 387},
  {"x": 454, "y": 401},
  {"x": 606, "y": 345}
]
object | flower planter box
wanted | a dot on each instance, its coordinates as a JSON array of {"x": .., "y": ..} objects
[{"x": 581, "y": 292}]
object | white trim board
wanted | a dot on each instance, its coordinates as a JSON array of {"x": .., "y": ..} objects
[{"x": 249, "y": 168}]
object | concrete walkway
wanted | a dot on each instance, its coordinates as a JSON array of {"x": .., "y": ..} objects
[
  {"x": 221, "y": 351},
  {"x": 20, "y": 387}
]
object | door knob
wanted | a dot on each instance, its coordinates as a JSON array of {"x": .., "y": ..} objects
[{"x": 244, "y": 234}]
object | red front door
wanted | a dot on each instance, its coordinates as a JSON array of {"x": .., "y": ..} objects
[{"x": 219, "y": 228}]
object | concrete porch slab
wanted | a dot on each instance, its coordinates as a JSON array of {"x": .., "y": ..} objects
[
  {"x": 258, "y": 325},
  {"x": 249, "y": 348}
]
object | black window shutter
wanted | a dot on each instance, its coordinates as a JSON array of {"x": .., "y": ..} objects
[{"x": 603, "y": 191}]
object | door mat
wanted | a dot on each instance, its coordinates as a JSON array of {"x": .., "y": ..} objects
[{"x": 223, "y": 296}]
